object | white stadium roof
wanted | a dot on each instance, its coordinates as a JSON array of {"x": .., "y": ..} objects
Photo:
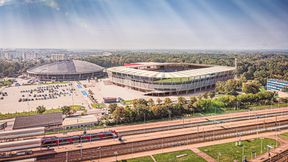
[
  {"x": 66, "y": 67},
  {"x": 179, "y": 74}
]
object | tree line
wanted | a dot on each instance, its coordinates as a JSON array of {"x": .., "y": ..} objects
[
  {"x": 142, "y": 109},
  {"x": 257, "y": 66}
]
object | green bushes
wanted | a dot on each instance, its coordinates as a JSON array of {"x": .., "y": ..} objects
[
  {"x": 28, "y": 113},
  {"x": 142, "y": 109}
]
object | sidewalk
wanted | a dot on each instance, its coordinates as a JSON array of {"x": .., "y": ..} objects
[
  {"x": 283, "y": 146},
  {"x": 203, "y": 155}
]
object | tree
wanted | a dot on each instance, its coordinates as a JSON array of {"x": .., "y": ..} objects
[
  {"x": 119, "y": 114},
  {"x": 68, "y": 110},
  {"x": 203, "y": 104},
  {"x": 208, "y": 105},
  {"x": 211, "y": 94},
  {"x": 158, "y": 101},
  {"x": 251, "y": 87},
  {"x": 182, "y": 100},
  {"x": 230, "y": 87},
  {"x": 228, "y": 100},
  {"x": 190, "y": 105},
  {"x": 167, "y": 101},
  {"x": 150, "y": 102},
  {"x": 41, "y": 109},
  {"x": 112, "y": 107},
  {"x": 160, "y": 111}
]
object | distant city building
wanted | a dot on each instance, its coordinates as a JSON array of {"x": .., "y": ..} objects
[
  {"x": 66, "y": 70},
  {"x": 8, "y": 56},
  {"x": 24, "y": 56},
  {"x": 58, "y": 57},
  {"x": 276, "y": 84},
  {"x": 169, "y": 78}
]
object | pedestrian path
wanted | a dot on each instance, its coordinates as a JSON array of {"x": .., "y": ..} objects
[
  {"x": 202, "y": 154},
  {"x": 283, "y": 146},
  {"x": 153, "y": 158}
]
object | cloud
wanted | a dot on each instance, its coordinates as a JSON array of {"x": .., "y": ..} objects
[
  {"x": 49, "y": 3},
  {"x": 4, "y": 2}
]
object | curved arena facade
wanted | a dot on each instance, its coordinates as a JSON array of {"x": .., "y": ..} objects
[
  {"x": 66, "y": 71},
  {"x": 169, "y": 78}
]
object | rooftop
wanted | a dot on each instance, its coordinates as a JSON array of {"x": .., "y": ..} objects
[
  {"x": 130, "y": 70},
  {"x": 43, "y": 120},
  {"x": 66, "y": 67}
]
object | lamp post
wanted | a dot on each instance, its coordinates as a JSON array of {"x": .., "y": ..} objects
[
  {"x": 218, "y": 157},
  {"x": 261, "y": 151},
  {"x": 99, "y": 148},
  {"x": 243, "y": 153},
  {"x": 116, "y": 153},
  {"x": 66, "y": 156}
]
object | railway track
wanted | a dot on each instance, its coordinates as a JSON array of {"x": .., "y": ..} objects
[
  {"x": 196, "y": 124},
  {"x": 282, "y": 157},
  {"x": 160, "y": 143}
]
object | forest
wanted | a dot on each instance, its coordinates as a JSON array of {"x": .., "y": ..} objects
[{"x": 250, "y": 66}]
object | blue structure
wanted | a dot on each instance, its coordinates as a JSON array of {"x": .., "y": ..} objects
[{"x": 276, "y": 84}]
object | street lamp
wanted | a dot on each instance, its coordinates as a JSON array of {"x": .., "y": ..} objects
[
  {"x": 261, "y": 145},
  {"x": 144, "y": 122},
  {"x": 219, "y": 154},
  {"x": 66, "y": 156},
  {"x": 253, "y": 153},
  {"x": 243, "y": 157},
  {"x": 99, "y": 148},
  {"x": 116, "y": 153}
]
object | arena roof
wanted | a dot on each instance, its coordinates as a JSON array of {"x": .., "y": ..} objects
[
  {"x": 66, "y": 67},
  {"x": 179, "y": 74}
]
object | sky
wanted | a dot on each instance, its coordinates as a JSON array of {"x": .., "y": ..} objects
[{"x": 144, "y": 24}]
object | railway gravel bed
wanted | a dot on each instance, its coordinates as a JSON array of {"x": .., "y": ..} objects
[{"x": 159, "y": 143}]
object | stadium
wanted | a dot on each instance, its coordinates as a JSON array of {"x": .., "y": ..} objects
[
  {"x": 66, "y": 71},
  {"x": 158, "y": 79}
]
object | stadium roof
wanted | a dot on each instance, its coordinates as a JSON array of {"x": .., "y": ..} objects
[
  {"x": 43, "y": 120},
  {"x": 66, "y": 67},
  {"x": 179, "y": 74}
]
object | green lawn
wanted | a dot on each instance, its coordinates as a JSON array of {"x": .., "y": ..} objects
[
  {"x": 229, "y": 151},
  {"x": 47, "y": 83},
  {"x": 98, "y": 105},
  {"x": 127, "y": 102},
  {"x": 171, "y": 157},
  {"x": 29, "y": 113},
  {"x": 140, "y": 159},
  {"x": 258, "y": 107},
  {"x": 5, "y": 83},
  {"x": 284, "y": 135},
  {"x": 173, "y": 80}
]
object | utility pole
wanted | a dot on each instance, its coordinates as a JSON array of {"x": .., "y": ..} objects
[
  {"x": 99, "y": 148},
  {"x": 66, "y": 156},
  {"x": 236, "y": 67},
  {"x": 243, "y": 153}
]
